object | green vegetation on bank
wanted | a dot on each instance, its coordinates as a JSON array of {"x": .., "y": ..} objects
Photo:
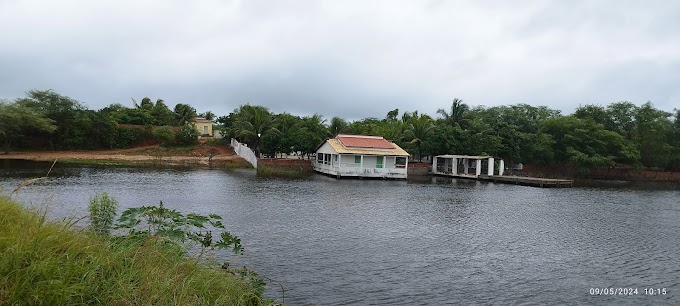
[
  {"x": 593, "y": 136},
  {"x": 58, "y": 122},
  {"x": 282, "y": 171},
  {"x": 54, "y": 263}
]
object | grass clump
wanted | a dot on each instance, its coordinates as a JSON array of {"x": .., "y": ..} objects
[
  {"x": 51, "y": 263},
  {"x": 284, "y": 172}
]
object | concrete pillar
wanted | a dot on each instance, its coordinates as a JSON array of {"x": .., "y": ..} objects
[
  {"x": 361, "y": 165},
  {"x": 478, "y": 169},
  {"x": 501, "y": 167},
  {"x": 490, "y": 170},
  {"x": 434, "y": 164},
  {"x": 455, "y": 166}
]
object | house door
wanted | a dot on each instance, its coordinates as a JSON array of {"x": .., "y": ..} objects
[{"x": 205, "y": 130}]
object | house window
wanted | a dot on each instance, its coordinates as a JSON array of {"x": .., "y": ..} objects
[
  {"x": 205, "y": 130},
  {"x": 319, "y": 158},
  {"x": 400, "y": 162},
  {"x": 379, "y": 161},
  {"x": 327, "y": 159},
  {"x": 357, "y": 159}
]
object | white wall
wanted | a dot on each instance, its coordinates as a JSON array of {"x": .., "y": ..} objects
[{"x": 326, "y": 149}]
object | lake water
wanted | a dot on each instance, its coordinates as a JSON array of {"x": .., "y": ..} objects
[{"x": 441, "y": 241}]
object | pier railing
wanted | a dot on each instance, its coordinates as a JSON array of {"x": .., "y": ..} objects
[{"x": 245, "y": 152}]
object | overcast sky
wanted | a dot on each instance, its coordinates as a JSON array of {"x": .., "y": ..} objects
[{"x": 353, "y": 59}]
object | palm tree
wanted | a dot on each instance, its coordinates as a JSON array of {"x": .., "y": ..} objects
[
  {"x": 208, "y": 115},
  {"x": 184, "y": 113},
  {"x": 457, "y": 116},
  {"x": 419, "y": 128},
  {"x": 337, "y": 126},
  {"x": 251, "y": 123}
]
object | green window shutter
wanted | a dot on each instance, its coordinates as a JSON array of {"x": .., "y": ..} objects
[
  {"x": 379, "y": 161},
  {"x": 357, "y": 159}
]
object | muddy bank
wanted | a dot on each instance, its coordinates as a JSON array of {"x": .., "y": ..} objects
[{"x": 214, "y": 156}]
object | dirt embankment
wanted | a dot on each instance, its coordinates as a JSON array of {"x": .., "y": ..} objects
[{"x": 200, "y": 154}]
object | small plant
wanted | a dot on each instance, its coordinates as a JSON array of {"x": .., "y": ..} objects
[
  {"x": 102, "y": 211},
  {"x": 175, "y": 226}
]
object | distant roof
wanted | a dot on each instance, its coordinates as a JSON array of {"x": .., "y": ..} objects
[
  {"x": 464, "y": 156},
  {"x": 361, "y": 141},
  {"x": 365, "y": 145},
  {"x": 199, "y": 119}
]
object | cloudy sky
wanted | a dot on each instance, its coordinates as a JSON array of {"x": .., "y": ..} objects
[{"x": 352, "y": 59}]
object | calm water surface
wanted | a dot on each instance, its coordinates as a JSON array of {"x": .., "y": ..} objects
[{"x": 442, "y": 241}]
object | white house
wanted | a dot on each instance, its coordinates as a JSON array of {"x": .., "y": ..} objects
[{"x": 361, "y": 156}]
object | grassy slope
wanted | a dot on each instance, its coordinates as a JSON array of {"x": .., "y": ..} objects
[{"x": 53, "y": 264}]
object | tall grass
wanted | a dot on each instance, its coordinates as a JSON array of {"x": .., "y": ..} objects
[{"x": 51, "y": 263}]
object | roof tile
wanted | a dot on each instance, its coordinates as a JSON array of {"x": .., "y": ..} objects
[{"x": 356, "y": 141}]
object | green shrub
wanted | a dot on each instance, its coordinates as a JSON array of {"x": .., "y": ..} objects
[
  {"x": 187, "y": 135},
  {"x": 127, "y": 137},
  {"x": 165, "y": 135},
  {"x": 102, "y": 211}
]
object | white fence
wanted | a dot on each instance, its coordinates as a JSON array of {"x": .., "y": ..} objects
[{"x": 245, "y": 152}]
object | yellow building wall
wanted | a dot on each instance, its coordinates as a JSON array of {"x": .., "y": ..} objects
[{"x": 202, "y": 127}]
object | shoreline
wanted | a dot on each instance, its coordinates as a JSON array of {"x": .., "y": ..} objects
[{"x": 118, "y": 158}]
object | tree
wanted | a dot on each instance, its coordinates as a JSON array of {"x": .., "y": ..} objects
[
  {"x": 251, "y": 122},
  {"x": 287, "y": 125},
  {"x": 18, "y": 121},
  {"x": 72, "y": 119},
  {"x": 596, "y": 113},
  {"x": 207, "y": 115},
  {"x": 184, "y": 113},
  {"x": 312, "y": 132},
  {"x": 586, "y": 144},
  {"x": 674, "y": 163},
  {"x": 444, "y": 139},
  {"x": 392, "y": 115},
  {"x": 162, "y": 114},
  {"x": 337, "y": 126},
  {"x": 653, "y": 128},
  {"x": 146, "y": 104},
  {"x": 187, "y": 135},
  {"x": 456, "y": 117},
  {"x": 419, "y": 128},
  {"x": 622, "y": 118}
]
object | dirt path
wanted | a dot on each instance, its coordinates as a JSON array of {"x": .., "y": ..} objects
[{"x": 199, "y": 154}]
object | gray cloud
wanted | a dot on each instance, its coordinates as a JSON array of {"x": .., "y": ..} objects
[{"x": 343, "y": 58}]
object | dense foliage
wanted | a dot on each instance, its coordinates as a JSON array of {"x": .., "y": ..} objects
[
  {"x": 594, "y": 136},
  {"x": 48, "y": 120}
]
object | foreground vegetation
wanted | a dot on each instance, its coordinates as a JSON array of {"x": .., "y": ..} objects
[{"x": 53, "y": 263}]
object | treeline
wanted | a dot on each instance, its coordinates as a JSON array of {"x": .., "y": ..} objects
[
  {"x": 47, "y": 120},
  {"x": 594, "y": 136}
]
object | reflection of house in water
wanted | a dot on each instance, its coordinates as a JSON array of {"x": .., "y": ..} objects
[
  {"x": 361, "y": 156},
  {"x": 466, "y": 166}
]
